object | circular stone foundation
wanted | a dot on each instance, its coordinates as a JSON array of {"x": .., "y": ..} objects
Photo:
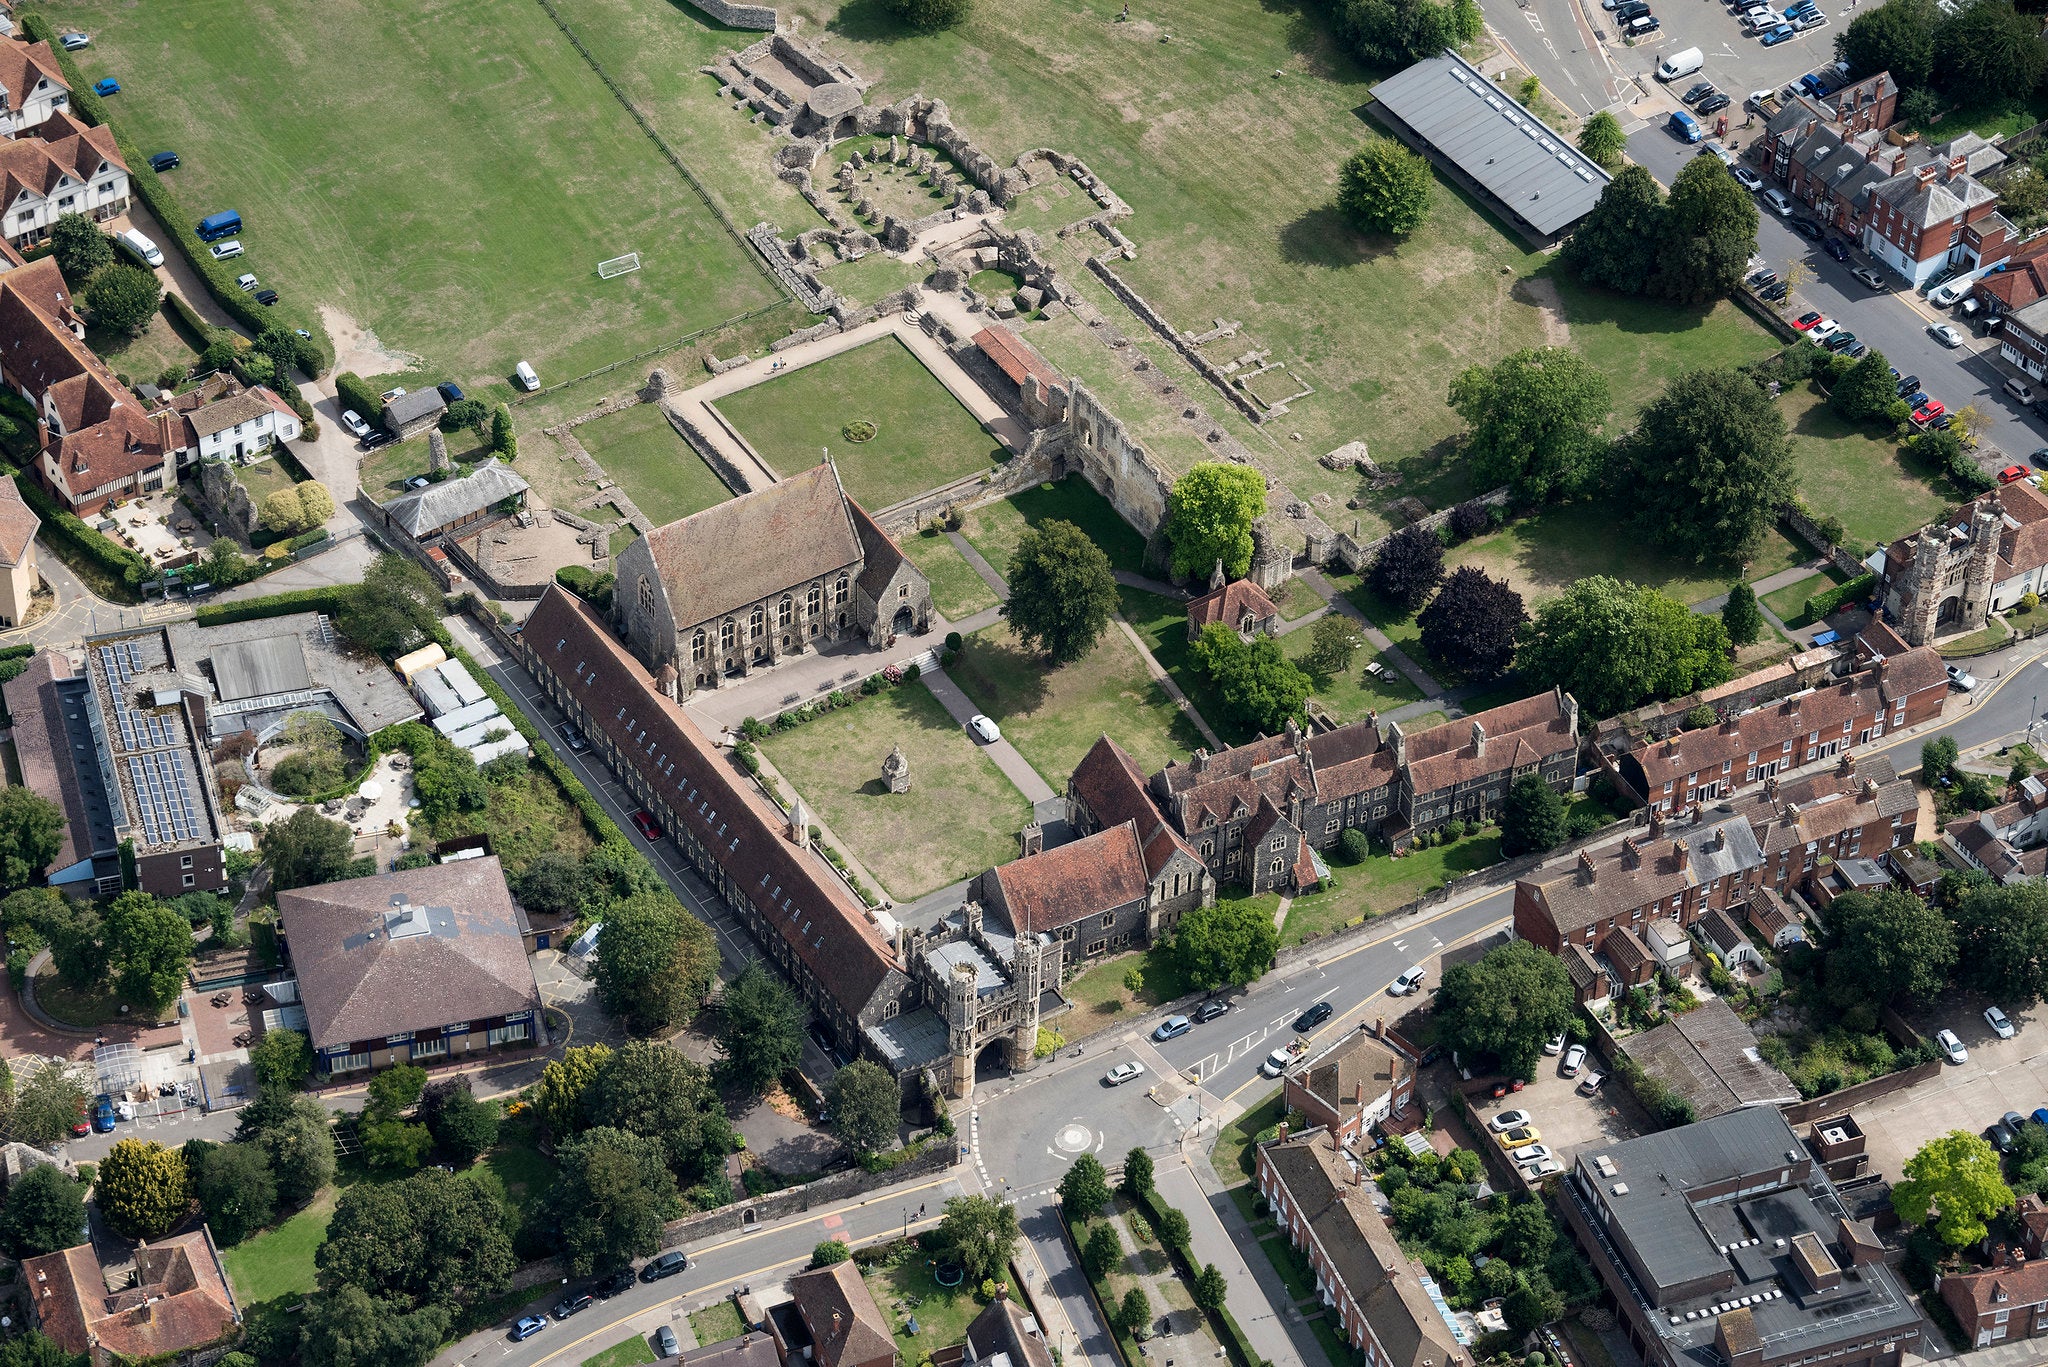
[{"x": 859, "y": 430}]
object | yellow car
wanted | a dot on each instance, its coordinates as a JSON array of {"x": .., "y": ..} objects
[{"x": 1517, "y": 1137}]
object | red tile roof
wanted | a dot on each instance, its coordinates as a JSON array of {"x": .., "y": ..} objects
[
  {"x": 1016, "y": 357},
  {"x": 1087, "y": 877},
  {"x": 22, "y": 65},
  {"x": 1108, "y": 782},
  {"x": 847, "y": 1327},
  {"x": 18, "y": 523},
  {"x": 1230, "y": 605},
  {"x": 180, "y": 1300},
  {"x": 1516, "y": 735}
]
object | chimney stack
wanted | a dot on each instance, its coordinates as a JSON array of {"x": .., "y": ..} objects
[
  {"x": 1587, "y": 871},
  {"x": 1682, "y": 853},
  {"x": 1478, "y": 740}
]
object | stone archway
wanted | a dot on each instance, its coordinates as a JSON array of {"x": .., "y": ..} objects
[
  {"x": 904, "y": 621},
  {"x": 993, "y": 1059}
]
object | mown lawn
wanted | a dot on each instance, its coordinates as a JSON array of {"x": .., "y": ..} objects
[
  {"x": 923, "y": 436},
  {"x": 520, "y": 173},
  {"x": 638, "y": 448},
  {"x": 1101, "y": 997},
  {"x": 958, "y": 592},
  {"x": 1350, "y": 693},
  {"x": 633, "y": 1350},
  {"x": 942, "y": 1313},
  {"x": 717, "y": 1323},
  {"x": 1162, "y": 624},
  {"x": 279, "y": 1262},
  {"x": 1383, "y": 883},
  {"x": 1789, "y": 603},
  {"x": 995, "y": 528},
  {"x": 1860, "y": 474}
]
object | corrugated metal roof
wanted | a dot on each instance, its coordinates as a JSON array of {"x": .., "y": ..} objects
[{"x": 1530, "y": 168}]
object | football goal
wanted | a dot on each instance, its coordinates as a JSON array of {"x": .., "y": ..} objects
[{"x": 618, "y": 265}]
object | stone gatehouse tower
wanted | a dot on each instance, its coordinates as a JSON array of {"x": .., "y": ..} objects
[
  {"x": 988, "y": 981},
  {"x": 1982, "y": 558},
  {"x": 750, "y": 582}
]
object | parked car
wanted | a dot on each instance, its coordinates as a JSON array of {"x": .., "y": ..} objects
[
  {"x": 1629, "y": 9},
  {"x": 390, "y": 394},
  {"x": 161, "y": 162},
  {"x": 266, "y": 297},
  {"x": 1276, "y": 1062},
  {"x": 416, "y": 483},
  {"x": 2001, "y": 1136},
  {"x": 2040, "y": 1115},
  {"x": 353, "y": 421},
  {"x": 1944, "y": 334},
  {"x": 450, "y": 391},
  {"x": 1840, "y": 341},
  {"x": 1314, "y": 1016},
  {"x": 1519, "y": 1137},
  {"x": 664, "y": 1342},
  {"x": 1508, "y": 1120},
  {"x": 1932, "y": 409},
  {"x": 2040, "y": 457},
  {"x": 1123, "y": 1072},
  {"x": 984, "y": 730},
  {"x": 1408, "y": 982},
  {"x": 527, "y": 379},
  {"x": 644, "y": 822},
  {"x": 1210, "y": 1010},
  {"x": 1590, "y": 1083},
  {"x": 1775, "y": 292},
  {"x": 664, "y": 1265},
  {"x": 1747, "y": 179},
  {"x": 575, "y": 1303},
  {"x": 106, "y": 85},
  {"x": 1909, "y": 385},
  {"x": 103, "y": 1114},
  {"x": 1807, "y": 229},
  {"x": 1856, "y": 352},
  {"x": 1531, "y": 1153},
  {"x": 1713, "y": 104},
  {"x": 618, "y": 1283},
  {"x": 1824, "y": 329},
  {"x": 1698, "y": 92},
  {"x": 1836, "y": 248},
  {"x": 1780, "y": 202},
  {"x": 1536, "y": 1172},
  {"x": 222, "y": 251},
  {"x": 1868, "y": 277},
  {"x": 1642, "y": 25},
  {"x": 2012, "y": 474},
  {"x": 381, "y": 437},
  {"x": 1807, "y": 321},
  {"x": 1962, "y": 678},
  {"x": 1173, "y": 1027},
  {"x": 1951, "y": 1046},
  {"x": 1783, "y": 33},
  {"x": 528, "y": 1326},
  {"x": 1574, "y": 1060},
  {"x": 1761, "y": 279},
  {"x": 1555, "y": 1044},
  {"x": 1806, "y": 21},
  {"x": 2014, "y": 1121},
  {"x": 246, "y": 281},
  {"x": 74, "y": 42}
]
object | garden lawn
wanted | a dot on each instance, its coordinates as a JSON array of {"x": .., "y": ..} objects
[
  {"x": 385, "y": 470},
  {"x": 521, "y": 172},
  {"x": 995, "y": 528},
  {"x": 1162, "y": 624},
  {"x": 96, "y": 1005},
  {"x": 1350, "y": 693},
  {"x": 518, "y": 1163},
  {"x": 638, "y": 448},
  {"x": 143, "y": 356},
  {"x": 279, "y": 1262},
  {"x": 957, "y": 591},
  {"x": 526, "y": 816},
  {"x": 1789, "y": 603},
  {"x": 942, "y": 1313},
  {"x": 1860, "y": 474},
  {"x": 263, "y": 479},
  {"x": 1054, "y": 716},
  {"x": 1297, "y": 600},
  {"x": 717, "y": 1323},
  {"x": 633, "y": 1350},
  {"x": 923, "y": 438},
  {"x": 1383, "y": 883},
  {"x": 961, "y": 815},
  {"x": 1100, "y": 997},
  {"x": 1234, "y": 1155}
]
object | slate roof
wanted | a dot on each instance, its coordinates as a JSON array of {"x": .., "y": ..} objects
[
  {"x": 1709, "y": 1057},
  {"x": 1007, "y": 1327},
  {"x": 1771, "y": 914},
  {"x": 1334, "y": 1076},
  {"x": 796, "y": 892},
  {"x": 423, "y": 512},
  {"x": 1230, "y": 605},
  {"x": 1787, "y": 815},
  {"x": 414, "y": 405},
  {"x": 18, "y": 523},
  {"x": 254, "y": 669},
  {"x": 2023, "y": 509},
  {"x": 1108, "y": 782},
  {"x": 1515, "y": 734},
  {"x": 1091, "y": 876},
  {"x": 748, "y": 1350},
  {"x": 180, "y": 1301},
  {"x": 742, "y": 550},
  {"x": 1637, "y": 872},
  {"x": 49, "y": 764},
  {"x": 881, "y": 555},
  {"x": 363, "y": 976},
  {"x": 861, "y": 1334}
]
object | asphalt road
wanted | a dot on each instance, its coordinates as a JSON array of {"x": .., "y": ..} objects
[{"x": 1559, "y": 41}]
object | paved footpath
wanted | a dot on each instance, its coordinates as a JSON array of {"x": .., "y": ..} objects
[
  {"x": 1217, "y": 1234},
  {"x": 1013, "y": 765},
  {"x": 1379, "y": 639}
]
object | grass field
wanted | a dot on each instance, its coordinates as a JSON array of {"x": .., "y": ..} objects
[
  {"x": 717, "y": 1323},
  {"x": 995, "y": 528},
  {"x": 1162, "y": 624},
  {"x": 1053, "y": 716},
  {"x": 447, "y": 173},
  {"x": 1382, "y": 883},
  {"x": 957, "y": 591},
  {"x": 1860, "y": 474},
  {"x": 960, "y": 816},
  {"x": 942, "y": 1313},
  {"x": 634, "y": 1350},
  {"x": 1101, "y": 998},
  {"x": 638, "y": 448},
  {"x": 923, "y": 438},
  {"x": 1350, "y": 693},
  {"x": 142, "y": 356},
  {"x": 1790, "y": 602},
  {"x": 279, "y": 1262}
]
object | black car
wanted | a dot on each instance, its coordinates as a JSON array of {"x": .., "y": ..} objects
[
  {"x": 1908, "y": 385},
  {"x": 1841, "y": 341},
  {"x": 266, "y": 297},
  {"x": 162, "y": 161},
  {"x": 1713, "y": 104},
  {"x": 378, "y": 437},
  {"x": 1806, "y": 228},
  {"x": 2002, "y": 1139},
  {"x": 1314, "y": 1016},
  {"x": 1630, "y": 9},
  {"x": 1775, "y": 292},
  {"x": 1762, "y": 279},
  {"x": 1857, "y": 352},
  {"x": 1698, "y": 92},
  {"x": 667, "y": 1265},
  {"x": 2040, "y": 458},
  {"x": 618, "y": 1283},
  {"x": 574, "y": 1304},
  {"x": 1836, "y": 248},
  {"x": 1211, "y": 1009}
]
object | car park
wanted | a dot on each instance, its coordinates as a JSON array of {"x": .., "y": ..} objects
[
  {"x": 1950, "y": 1045},
  {"x": 1408, "y": 982},
  {"x": 984, "y": 730},
  {"x": 74, "y": 42},
  {"x": 1783, "y": 33},
  {"x": 1508, "y": 1120},
  {"x": 1173, "y": 1027},
  {"x": 1944, "y": 334},
  {"x": 664, "y": 1265},
  {"x": 1123, "y": 1072},
  {"x": 527, "y": 1327},
  {"x": 103, "y": 1114},
  {"x": 1314, "y": 1016},
  {"x": 161, "y": 162},
  {"x": 1574, "y": 1060},
  {"x": 1836, "y": 248},
  {"x": 106, "y": 85},
  {"x": 1531, "y": 1153},
  {"x": 1748, "y": 179},
  {"x": 1868, "y": 277},
  {"x": 644, "y": 822},
  {"x": 1590, "y": 1083},
  {"x": 1713, "y": 104},
  {"x": 1210, "y": 1010},
  {"x": 1555, "y": 1044},
  {"x": 575, "y": 1303},
  {"x": 1520, "y": 1137},
  {"x": 223, "y": 251},
  {"x": 353, "y": 421}
]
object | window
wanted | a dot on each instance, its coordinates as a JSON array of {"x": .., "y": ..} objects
[
  {"x": 190, "y": 881},
  {"x": 647, "y": 593},
  {"x": 839, "y": 592},
  {"x": 1276, "y": 866},
  {"x": 814, "y": 601},
  {"x": 185, "y": 862},
  {"x": 785, "y": 612},
  {"x": 698, "y": 645},
  {"x": 1108, "y": 920},
  {"x": 437, "y": 1047},
  {"x": 757, "y": 622},
  {"x": 1097, "y": 946},
  {"x": 509, "y": 1033},
  {"x": 725, "y": 634},
  {"x": 1279, "y": 842},
  {"x": 1330, "y": 827},
  {"x": 347, "y": 1063}
]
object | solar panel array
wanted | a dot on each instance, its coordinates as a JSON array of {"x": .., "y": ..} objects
[
  {"x": 153, "y": 746},
  {"x": 139, "y": 730}
]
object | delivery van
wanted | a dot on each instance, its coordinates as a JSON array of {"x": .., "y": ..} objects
[
  {"x": 140, "y": 247},
  {"x": 1680, "y": 64}
]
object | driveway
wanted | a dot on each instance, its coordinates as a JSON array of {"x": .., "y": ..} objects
[{"x": 1999, "y": 1076}]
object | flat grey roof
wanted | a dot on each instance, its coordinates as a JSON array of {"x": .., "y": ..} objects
[
  {"x": 252, "y": 669},
  {"x": 911, "y": 1040},
  {"x": 1530, "y": 168}
]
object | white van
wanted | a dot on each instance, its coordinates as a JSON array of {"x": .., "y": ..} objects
[
  {"x": 527, "y": 379},
  {"x": 143, "y": 249},
  {"x": 1680, "y": 64}
]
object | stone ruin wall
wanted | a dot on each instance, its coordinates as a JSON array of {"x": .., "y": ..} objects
[
  {"x": 1356, "y": 556},
  {"x": 222, "y": 495},
  {"x": 738, "y": 16}
]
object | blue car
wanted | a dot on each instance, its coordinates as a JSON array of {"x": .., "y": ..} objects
[
  {"x": 102, "y": 1114},
  {"x": 2040, "y": 1116},
  {"x": 163, "y": 161},
  {"x": 1173, "y": 1027},
  {"x": 106, "y": 85},
  {"x": 1782, "y": 33},
  {"x": 528, "y": 1326},
  {"x": 451, "y": 391}
]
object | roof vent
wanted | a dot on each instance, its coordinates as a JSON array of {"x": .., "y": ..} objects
[{"x": 1619, "y": 1189}]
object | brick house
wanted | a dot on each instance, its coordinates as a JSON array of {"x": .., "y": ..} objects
[
  {"x": 1354, "y": 1084},
  {"x": 1106, "y": 790},
  {"x": 2008, "y": 1300},
  {"x": 221, "y": 419},
  {"x": 1238, "y": 604},
  {"x": 833, "y": 1315},
  {"x": 173, "y": 1303},
  {"x": 1856, "y": 809},
  {"x": 2010, "y": 841},
  {"x": 1982, "y": 558},
  {"x": 1375, "y": 1291},
  {"x": 1092, "y": 893}
]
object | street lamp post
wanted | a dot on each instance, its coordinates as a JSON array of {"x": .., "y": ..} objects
[{"x": 906, "y": 1222}]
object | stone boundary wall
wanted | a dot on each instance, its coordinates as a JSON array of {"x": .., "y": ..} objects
[
  {"x": 1834, "y": 1102},
  {"x": 1119, "y": 468},
  {"x": 1356, "y": 557},
  {"x": 738, "y": 16},
  {"x": 938, "y": 1156},
  {"x": 1803, "y": 527},
  {"x": 817, "y": 331},
  {"x": 1040, "y": 462},
  {"x": 713, "y": 457},
  {"x": 1203, "y": 366},
  {"x": 762, "y": 238}
]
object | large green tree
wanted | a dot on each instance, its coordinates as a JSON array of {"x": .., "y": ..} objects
[
  {"x": 463, "y": 1127},
  {"x": 1897, "y": 36},
  {"x": 1260, "y": 687},
  {"x": 2002, "y": 941},
  {"x": 1407, "y": 567},
  {"x": 648, "y": 1089},
  {"x": 1614, "y": 645},
  {"x": 1708, "y": 465},
  {"x": 393, "y": 607},
  {"x": 31, "y": 833},
  {"x": 867, "y": 1106},
  {"x": 558, "y": 1096},
  {"x": 1535, "y": 418},
  {"x": 1384, "y": 188},
  {"x": 80, "y": 247},
  {"x": 347, "y": 1328},
  {"x": 1867, "y": 392},
  {"x": 141, "y": 1189},
  {"x": 1209, "y": 516},
  {"x": 235, "y": 1187},
  {"x": 1601, "y": 139},
  {"x": 1505, "y": 1006},
  {"x": 1616, "y": 245},
  {"x": 1471, "y": 624},
  {"x": 1886, "y": 947},
  {"x": 297, "y": 1136},
  {"x": 1394, "y": 33},
  {"x": 1062, "y": 593},
  {"x": 1709, "y": 234},
  {"x": 612, "y": 1194},
  {"x": 44, "y": 1211},
  {"x": 122, "y": 298},
  {"x": 1225, "y": 944},
  {"x": 1740, "y": 616},
  {"x": 432, "y": 1239},
  {"x": 981, "y": 1232},
  {"x": 1084, "y": 1187},
  {"x": 1988, "y": 52},
  {"x": 306, "y": 848},
  {"x": 1532, "y": 820},
  {"x": 655, "y": 962},
  {"x": 282, "y": 1060},
  {"x": 148, "y": 947},
  {"x": 50, "y": 1099},
  {"x": 1952, "y": 1185},
  {"x": 760, "y": 1029}
]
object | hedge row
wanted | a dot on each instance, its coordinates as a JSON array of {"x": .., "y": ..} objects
[
  {"x": 1821, "y": 604},
  {"x": 324, "y": 599},
  {"x": 1228, "y": 1331},
  {"x": 175, "y": 218},
  {"x": 20, "y": 652},
  {"x": 106, "y": 559},
  {"x": 355, "y": 393}
]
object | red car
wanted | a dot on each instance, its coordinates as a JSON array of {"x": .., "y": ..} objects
[
  {"x": 1931, "y": 410},
  {"x": 2012, "y": 473},
  {"x": 1806, "y": 320},
  {"x": 647, "y": 825},
  {"x": 81, "y": 1126}
]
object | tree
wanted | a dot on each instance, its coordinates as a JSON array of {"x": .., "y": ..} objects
[
  {"x": 1532, "y": 1304},
  {"x": 1867, "y": 392},
  {"x": 552, "y": 883},
  {"x": 281, "y": 511},
  {"x": 431, "y": 1239},
  {"x": 347, "y": 1328},
  {"x": 298, "y": 1139},
  {"x": 1062, "y": 593},
  {"x": 306, "y": 848},
  {"x": 1174, "y": 1231},
  {"x": 1709, "y": 234},
  {"x": 558, "y": 1096},
  {"x": 1332, "y": 641},
  {"x": 1084, "y": 1187},
  {"x": 981, "y": 1233},
  {"x": 1228, "y": 943},
  {"x": 931, "y": 15},
  {"x": 44, "y": 1212},
  {"x": 465, "y": 413},
  {"x": 654, "y": 962},
  {"x": 1137, "y": 1172},
  {"x": 225, "y": 564},
  {"x": 503, "y": 440},
  {"x": 867, "y": 1106},
  {"x": 1135, "y": 1311},
  {"x": 74, "y": 932},
  {"x": 1886, "y": 947},
  {"x": 1708, "y": 464},
  {"x": 1527, "y": 1234},
  {"x": 140, "y": 1188},
  {"x": 236, "y": 1189},
  {"x": 1471, "y": 624},
  {"x": 1601, "y": 139},
  {"x": 653, "y": 1091},
  {"x": 1210, "y": 1289},
  {"x": 49, "y": 1101},
  {"x": 1897, "y": 36},
  {"x": 1384, "y": 188},
  {"x": 1209, "y": 516},
  {"x": 446, "y": 780},
  {"x": 1988, "y": 52},
  {"x": 392, "y": 608},
  {"x": 2001, "y": 936},
  {"x": 1260, "y": 687},
  {"x": 463, "y": 1127},
  {"x": 148, "y": 947},
  {"x": 829, "y": 1251},
  {"x": 1534, "y": 417},
  {"x": 286, "y": 350},
  {"x": 1410, "y": 563},
  {"x": 610, "y": 1200},
  {"x": 317, "y": 504},
  {"x": 79, "y": 246},
  {"x": 122, "y": 298},
  {"x": 1505, "y": 1005},
  {"x": 1613, "y": 645},
  {"x": 1532, "y": 820},
  {"x": 389, "y": 1139},
  {"x": 1938, "y": 761},
  {"x": 760, "y": 1029},
  {"x": 1740, "y": 617},
  {"x": 1395, "y": 33},
  {"x": 1102, "y": 1252},
  {"x": 1952, "y": 1185},
  {"x": 31, "y": 833},
  {"x": 1616, "y": 245}
]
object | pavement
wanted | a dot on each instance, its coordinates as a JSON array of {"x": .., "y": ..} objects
[{"x": 1014, "y": 766}]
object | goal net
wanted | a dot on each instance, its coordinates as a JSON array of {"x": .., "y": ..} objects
[{"x": 618, "y": 265}]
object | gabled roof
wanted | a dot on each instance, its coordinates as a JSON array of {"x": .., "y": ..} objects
[
  {"x": 1709, "y": 1057},
  {"x": 1230, "y": 605},
  {"x": 1496, "y": 741},
  {"x": 738, "y": 552},
  {"x": 246, "y": 405},
  {"x": 414, "y": 405},
  {"x": 845, "y": 1323},
  {"x": 1108, "y": 782},
  {"x": 424, "y": 512},
  {"x": 178, "y": 1299},
  {"x": 1007, "y": 1327},
  {"x": 1091, "y": 876},
  {"x": 24, "y": 66},
  {"x": 1640, "y": 871},
  {"x": 1016, "y": 357},
  {"x": 1335, "y": 1075},
  {"x": 49, "y": 763},
  {"x": 18, "y": 523}
]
